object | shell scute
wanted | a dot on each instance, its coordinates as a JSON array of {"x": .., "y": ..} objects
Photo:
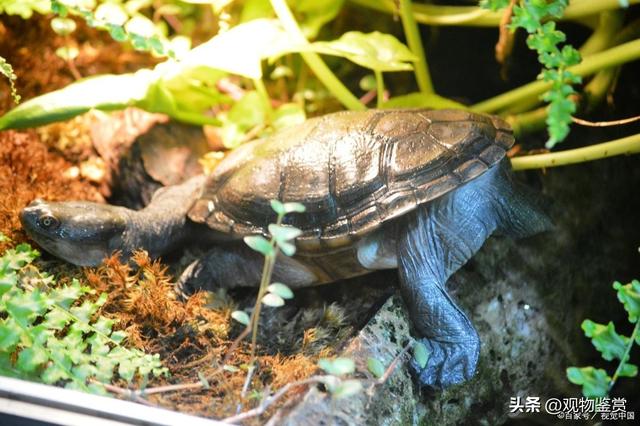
[{"x": 353, "y": 171}]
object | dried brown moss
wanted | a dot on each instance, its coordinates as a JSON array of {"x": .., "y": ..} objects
[
  {"x": 29, "y": 171},
  {"x": 194, "y": 339}
]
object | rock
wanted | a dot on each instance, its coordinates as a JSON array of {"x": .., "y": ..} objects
[{"x": 527, "y": 299}]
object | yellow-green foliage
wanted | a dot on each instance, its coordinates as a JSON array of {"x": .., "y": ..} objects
[{"x": 53, "y": 334}]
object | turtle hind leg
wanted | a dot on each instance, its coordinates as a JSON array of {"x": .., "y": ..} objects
[
  {"x": 236, "y": 265},
  {"x": 434, "y": 241},
  {"x": 519, "y": 210}
]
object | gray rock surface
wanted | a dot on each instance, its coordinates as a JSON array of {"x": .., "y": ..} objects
[{"x": 527, "y": 300}]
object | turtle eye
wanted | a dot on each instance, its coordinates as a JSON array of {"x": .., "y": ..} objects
[{"x": 48, "y": 222}]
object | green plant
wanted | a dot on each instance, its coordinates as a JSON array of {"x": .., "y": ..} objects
[
  {"x": 281, "y": 241},
  {"x": 7, "y": 70},
  {"x": 226, "y": 83},
  {"x": 54, "y": 335},
  {"x": 24, "y": 8},
  {"x": 336, "y": 368},
  {"x": 596, "y": 382},
  {"x": 534, "y": 17}
]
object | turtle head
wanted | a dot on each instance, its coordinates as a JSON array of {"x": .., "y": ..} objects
[{"x": 82, "y": 233}]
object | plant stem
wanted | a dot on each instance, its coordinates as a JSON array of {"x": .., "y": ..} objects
[
  {"x": 430, "y": 14},
  {"x": 319, "y": 68},
  {"x": 591, "y": 64},
  {"x": 379, "y": 88},
  {"x": 267, "y": 270},
  {"x": 625, "y": 357},
  {"x": 623, "y": 146},
  {"x": 412, "y": 33}
]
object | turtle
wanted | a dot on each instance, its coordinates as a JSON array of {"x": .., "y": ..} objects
[{"x": 413, "y": 189}]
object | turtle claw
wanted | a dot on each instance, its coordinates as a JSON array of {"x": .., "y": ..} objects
[
  {"x": 448, "y": 363},
  {"x": 186, "y": 285}
]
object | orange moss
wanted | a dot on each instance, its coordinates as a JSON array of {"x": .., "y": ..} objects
[
  {"x": 29, "y": 171},
  {"x": 143, "y": 300}
]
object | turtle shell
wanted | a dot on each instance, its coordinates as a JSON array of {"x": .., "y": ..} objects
[{"x": 353, "y": 171}]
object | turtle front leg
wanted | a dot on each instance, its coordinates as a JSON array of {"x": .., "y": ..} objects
[{"x": 236, "y": 265}]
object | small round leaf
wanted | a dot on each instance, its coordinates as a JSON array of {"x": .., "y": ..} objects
[
  {"x": 375, "y": 366},
  {"x": 278, "y": 207},
  {"x": 294, "y": 208},
  {"x": 287, "y": 248},
  {"x": 272, "y": 300},
  {"x": 63, "y": 26},
  {"x": 281, "y": 290},
  {"x": 230, "y": 368},
  {"x": 337, "y": 366},
  {"x": 347, "y": 388},
  {"x": 259, "y": 244},
  {"x": 284, "y": 233},
  {"x": 241, "y": 317},
  {"x": 420, "y": 354}
]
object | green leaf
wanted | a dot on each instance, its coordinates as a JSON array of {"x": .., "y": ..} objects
[
  {"x": 259, "y": 244},
  {"x": 281, "y": 290},
  {"x": 118, "y": 336},
  {"x": 108, "y": 92},
  {"x": 103, "y": 325},
  {"x": 272, "y": 300},
  {"x": 288, "y": 115},
  {"x": 241, "y": 317},
  {"x": 493, "y": 5},
  {"x": 111, "y": 14},
  {"x": 255, "y": 40},
  {"x": 628, "y": 370},
  {"x": 337, "y": 366},
  {"x": 313, "y": 14},
  {"x": 283, "y": 232},
  {"x": 375, "y": 51},
  {"x": 605, "y": 339},
  {"x": 63, "y": 26},
  {"x": 278, "y": 207},
  {"x": 595, "y": 382},
  {"x": 25, "y": 8},
  {"x": 375, "y": 366},
  {"x": 9, "y": 335},
  {"x": 25, "y": 308},
  {"x": 116, "y": 32},
  {"x": 420, "y": 354},
  {"x": 294, "y": 208},
  {"x": 250, "y": 111},
  {"x": 84, "y": 311},
  {"x": 230, "y": 368},
  {"x": 56, "y": 319},
  {"x": 66, "y": 295},
  {"x": 67, "y": 53},
  {"x": 629, "y": 296},
  {"x": 141, "y": 27},
  {"x": 54, "y": 373},
  {"x": 8, "y": 281},
  {"x": 31, "y": 358},
  {"x": 346, "y": 388},
  {"x": 203, "y": 380},
  {"x": 287, "y": 248}
]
